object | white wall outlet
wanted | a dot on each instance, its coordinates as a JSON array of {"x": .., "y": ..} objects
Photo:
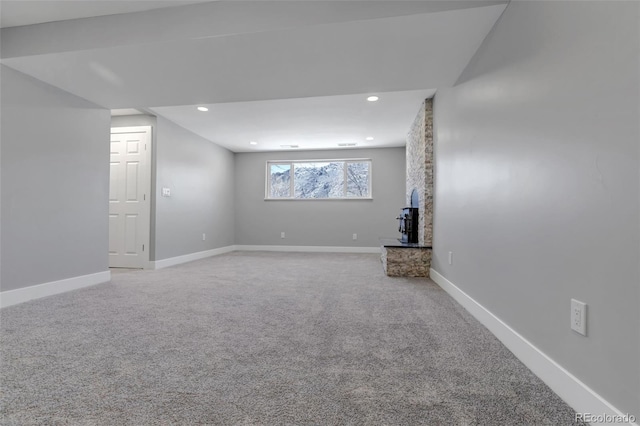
[
  {"x": 166, "y": 192},
  {"x": 204, "y": 236},
  {"x": 282, "y": 234},
  {"x": 579, "y": 317},
  {"x": 355, "y": 237},
  {"x": 450, "y": 258}
]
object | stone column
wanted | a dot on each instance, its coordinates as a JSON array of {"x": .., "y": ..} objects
[{"x": 419, "y": 153}]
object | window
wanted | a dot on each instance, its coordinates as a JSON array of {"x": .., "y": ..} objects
[{"x": 319, "y": 179}]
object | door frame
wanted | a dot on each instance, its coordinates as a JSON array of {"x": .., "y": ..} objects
[{"x": 146, "y": 177}]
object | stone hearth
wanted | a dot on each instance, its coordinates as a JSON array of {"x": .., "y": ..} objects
[{"x": 405, "y": 260}]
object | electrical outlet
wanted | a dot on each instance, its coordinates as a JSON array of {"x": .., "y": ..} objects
[
  {"x": 204, "y": 236},
  {"x": 450, "y": 258},
  {"x": 355, "y": 237},
  {"x": 282, "y": 234},
  {"x": 579, "y": 317}
]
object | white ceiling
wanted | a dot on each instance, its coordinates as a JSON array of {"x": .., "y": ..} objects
[
  {"x": 278, "y": 73},
  {"x": 15, "y": 13},
  {"x": 311, "y": 123}
]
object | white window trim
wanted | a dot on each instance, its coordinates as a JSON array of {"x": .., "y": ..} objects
[{"x": 330, "y": 160}]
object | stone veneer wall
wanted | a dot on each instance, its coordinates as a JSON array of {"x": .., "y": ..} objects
[{"x": 420, "y": 169}]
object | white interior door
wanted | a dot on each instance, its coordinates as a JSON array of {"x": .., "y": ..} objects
[{"x": 129, "y": 193}]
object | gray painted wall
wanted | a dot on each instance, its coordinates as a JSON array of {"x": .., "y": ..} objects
[
  {"x": 55, "y": 181},
  {"x": 537, "y": 184},
  {"x": 200, "y": 175},
  {"x": 313, "y": 222}
]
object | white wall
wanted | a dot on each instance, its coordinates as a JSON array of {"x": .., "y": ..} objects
[
  {"x": 55, "y": 182},
  {"x": 200, "y": 175},
  {"x": 537, "y": 184},
  {"x": 313, "y": 222}
]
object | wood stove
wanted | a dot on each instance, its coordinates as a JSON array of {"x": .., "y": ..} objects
[{"x": 408, "y": 225}]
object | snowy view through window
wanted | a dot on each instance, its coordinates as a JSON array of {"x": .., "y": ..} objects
[{"x": 319, "y": 179}]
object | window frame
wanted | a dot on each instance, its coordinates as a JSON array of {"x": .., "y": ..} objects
[{"x": 291, "y": 163}]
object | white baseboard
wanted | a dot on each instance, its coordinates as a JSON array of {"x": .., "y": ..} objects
[
  {"x": 20, "y": 295},
  {"x": 311, "y": 249},
  {"x": 575, "y": 393},
  {"x": 172, "y": 261}
]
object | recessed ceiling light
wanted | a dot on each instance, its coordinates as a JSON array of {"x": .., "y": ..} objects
[
  {"x": 372, "y": 98},
  {"x": 253, "y": 143},
  {"x": 203, "y": 109},
  {"x": 369, "y": 138}
]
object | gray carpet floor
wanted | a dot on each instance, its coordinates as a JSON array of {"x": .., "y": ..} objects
[{"x": 262, "y": 338}]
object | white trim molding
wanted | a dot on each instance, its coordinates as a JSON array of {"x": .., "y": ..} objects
[
  {"x": 311, "y": 249},
  {"x": 172, "y": 261},
  {"x": 21, "y": 295},
  {"x": 575, "y": 393}
]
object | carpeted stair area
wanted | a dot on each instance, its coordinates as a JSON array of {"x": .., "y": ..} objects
[{"x": 262, "y": 338}]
